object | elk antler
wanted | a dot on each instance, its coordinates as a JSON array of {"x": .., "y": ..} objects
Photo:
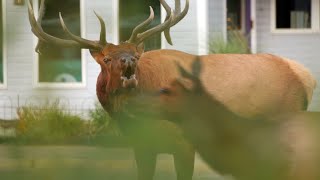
[
  {"x": 75, "y": 41},
  {"x": 171, "y": 19}
]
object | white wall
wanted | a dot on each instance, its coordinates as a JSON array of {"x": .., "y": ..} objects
[{"x": 217, "y": 19}]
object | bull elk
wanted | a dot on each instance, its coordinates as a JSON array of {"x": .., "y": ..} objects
[
  {"x": 252, "y": 85},
  {"x": 280, "y": 147}
]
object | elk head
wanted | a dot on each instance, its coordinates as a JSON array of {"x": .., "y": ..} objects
[
  {"x": 186, "y": 91},
  {"x": 118, "y": 62}
]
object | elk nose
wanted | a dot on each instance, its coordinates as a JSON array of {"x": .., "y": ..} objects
[
  {"x": 124, "y": 60},
  {"x": 128, "y": 61}
]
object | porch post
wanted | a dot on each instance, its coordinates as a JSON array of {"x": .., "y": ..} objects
[
  {"x": 253, "y": 33},
  {"x": 202, "y": 19}
]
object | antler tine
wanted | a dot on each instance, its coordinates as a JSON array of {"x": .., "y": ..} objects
[
  {"x": 157, "y": 29},
  {"x": 103, "y": 40},
  {"x": 137, "y": 29},
  {"x": 167, "y": 31},
  {"x": 38, "y": 31},
  {"x": 138, "y": 38},
  {"x": 177, "y": 6},
  {"x": 75, "y": 40},
  {"x": 83, "y": 42},
  {"x": 41, "y": 13},
  {"x": 178, "y": 16},
  {"x": 171, "y": 20}
]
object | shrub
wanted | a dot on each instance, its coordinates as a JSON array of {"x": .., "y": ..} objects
[
  {"x": 48, "y": 123},
  {"x": 236, "y": 43}
]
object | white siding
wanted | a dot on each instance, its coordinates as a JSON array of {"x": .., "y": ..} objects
[
  {"x": 302, "y": 47},
  {"x": 217, "y": 18}
]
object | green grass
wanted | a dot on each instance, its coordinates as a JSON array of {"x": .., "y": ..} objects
[
  {"x": 82, "y": 163},
  {"x": 48, "y": 124},
  {"x": 236, "y": 43}
]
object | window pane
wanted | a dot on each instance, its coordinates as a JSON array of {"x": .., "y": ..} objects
[
  {"x": 234, "y": 14},
  {"x": 1, "y": 44},
  {"x": 60, "y": 64},
  {"x": 293, "y": 14},
  {"x": 132, "y": 13}
]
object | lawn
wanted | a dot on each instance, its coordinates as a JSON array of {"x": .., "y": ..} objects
[{"x": 83, "y": 162}]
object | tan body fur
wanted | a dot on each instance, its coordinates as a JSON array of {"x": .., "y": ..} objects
[{"x": 250, "y": 85}]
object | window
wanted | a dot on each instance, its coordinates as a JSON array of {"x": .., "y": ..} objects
[
  {"x": 132, "y": 13},
  {"x": 2, "y": 44},
  {"x": 235, "y": 10},
  {"x": 295, "y": 15},
  {"x": 61, "y": 66}
]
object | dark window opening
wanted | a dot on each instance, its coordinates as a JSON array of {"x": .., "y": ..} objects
[
  {"x": 293, "y": 14},
  {"x": 234, "y": 18},
  {"x": 132, "y": 13},
  {"x": 60, "y": 64}
]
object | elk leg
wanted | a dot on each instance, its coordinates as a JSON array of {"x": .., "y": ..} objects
[
  {"x": 184, "y": 163},
  {"x": 146, "y": 164}
]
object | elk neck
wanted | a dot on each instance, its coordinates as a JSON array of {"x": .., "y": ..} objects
[
  {"x": 101, "y": 90},
  {"x": 111, "y": 99}
]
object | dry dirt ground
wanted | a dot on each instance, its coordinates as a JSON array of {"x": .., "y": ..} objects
[{"x": 83, "y": 162}]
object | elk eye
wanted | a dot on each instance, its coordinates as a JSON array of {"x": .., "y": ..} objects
[
  {"x": 107, "y": 59},
  {"x": 137, "y": 57},
  {"x": 165, "y": 91}
]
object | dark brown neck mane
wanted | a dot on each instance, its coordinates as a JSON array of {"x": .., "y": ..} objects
[
  {"x": 111, "y": 101},
  {"x": 101, "y": 90}
]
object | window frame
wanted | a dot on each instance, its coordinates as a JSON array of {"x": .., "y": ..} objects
[
  {"x": 68, "y": 85},
  {"x": 315, "y": 23},
  {"x": 4, "y": 47}
]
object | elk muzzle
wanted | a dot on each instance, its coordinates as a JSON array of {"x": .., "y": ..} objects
[{"x": 128, "y": 76}]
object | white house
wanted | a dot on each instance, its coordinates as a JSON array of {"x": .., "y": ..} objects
[{"x": 70, "y": 75}]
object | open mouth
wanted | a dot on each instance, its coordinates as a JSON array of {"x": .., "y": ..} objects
[
  {"x": 129, "y": 72},
  {"x": 129, "y": 78}
]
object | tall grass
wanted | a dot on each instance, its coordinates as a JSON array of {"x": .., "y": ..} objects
[
  {"x": 48, "y": 123},
  {"x": 235, "y": 43}
]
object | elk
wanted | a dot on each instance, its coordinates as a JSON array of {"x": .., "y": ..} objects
[
  {"x": 267, "y": 83},
  {"x": 280, "y": 147}
]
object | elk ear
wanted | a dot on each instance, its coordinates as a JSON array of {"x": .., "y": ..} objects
[
  {"x": 183, "y": 72},
  {"x": 196, "y": 67},
  {"x": 98, "y": 56},
  {"x": 140, "y": 48}
]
